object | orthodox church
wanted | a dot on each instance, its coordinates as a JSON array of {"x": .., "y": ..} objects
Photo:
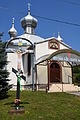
[{"x": 51, "y": 75}]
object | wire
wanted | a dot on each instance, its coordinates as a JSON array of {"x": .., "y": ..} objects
[
  {"x": 70, "y": 2},
  {"x": 59, "y": 21},
  {"x": 55, "y": 20}
]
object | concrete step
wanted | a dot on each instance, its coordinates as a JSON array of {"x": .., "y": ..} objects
[{"x": 63, "y": 88}]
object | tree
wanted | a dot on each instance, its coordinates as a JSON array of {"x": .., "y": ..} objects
[
  {"x": 4, "y": 86},
  {"x": 76, "y": 75}
]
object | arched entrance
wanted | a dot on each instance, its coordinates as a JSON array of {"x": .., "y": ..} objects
[
  {"x": 63, "y": 55},
  {"x": 55, "y": 72}
]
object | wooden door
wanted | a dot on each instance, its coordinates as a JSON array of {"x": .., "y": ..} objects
[{"x": 55, "y": 73}]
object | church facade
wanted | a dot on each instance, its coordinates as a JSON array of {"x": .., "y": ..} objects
[{"x": 51, "y": 75}]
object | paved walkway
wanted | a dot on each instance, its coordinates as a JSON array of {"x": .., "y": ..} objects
[{"x": 74, "y": 93}]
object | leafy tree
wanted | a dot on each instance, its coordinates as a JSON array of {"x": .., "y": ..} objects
[
  {"x": 76, "y": 74},
  {"x": 4, "y": 86}
]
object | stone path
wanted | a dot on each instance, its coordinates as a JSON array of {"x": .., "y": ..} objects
[{"x": 74, "y": 93}]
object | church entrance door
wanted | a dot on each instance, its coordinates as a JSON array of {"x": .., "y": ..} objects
[{"x": 55, "y": 73}]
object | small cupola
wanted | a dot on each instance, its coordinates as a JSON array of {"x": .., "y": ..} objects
[
  {"x": 59, "y": 37},
  {"x": 29, "y": 23},
  {"x": 12, "y": 32}
]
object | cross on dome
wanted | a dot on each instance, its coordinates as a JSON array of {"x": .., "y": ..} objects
[
  {"x": 13, "y": 23},
  {"x": 29, "y": 8}
]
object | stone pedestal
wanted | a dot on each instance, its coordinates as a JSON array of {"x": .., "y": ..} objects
[{"x": 19, "y": 111}]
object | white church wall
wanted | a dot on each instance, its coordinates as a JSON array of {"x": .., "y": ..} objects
[
  {"x": 66, "y": 73},
  {"x": 25, "y": 69},
  {"x": 28, "y": 80},
  {"x": 42, "y": 75},
  {"x": 24, "y": 61},
  {"x": 63, "y": 47},
  {"x": 42, "y": 50},
  {"x": 12, "y": 63}
]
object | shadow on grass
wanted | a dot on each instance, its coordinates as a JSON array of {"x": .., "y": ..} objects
[
  {"x": 12, "y": 103},
  {"x": 4, "y": 97}
]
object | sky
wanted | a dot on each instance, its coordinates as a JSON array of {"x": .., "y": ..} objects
[{"x": 61, "y": 10}]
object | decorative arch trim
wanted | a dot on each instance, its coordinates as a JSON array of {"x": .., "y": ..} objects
[{"x": 68, "y": 55}]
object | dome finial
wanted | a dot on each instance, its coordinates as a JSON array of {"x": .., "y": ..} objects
[
  {"x": 13, "y": 23},
  {"x": 29, "y": 23},
  {"x": 58, "y": 34},
  {"x": 29, "y": 8},
  {"x": 12, "y": 32}
]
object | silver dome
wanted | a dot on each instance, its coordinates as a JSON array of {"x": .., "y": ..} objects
[
  {"x": 29, "y": 23},
  {"x": 29, "y": 20}
]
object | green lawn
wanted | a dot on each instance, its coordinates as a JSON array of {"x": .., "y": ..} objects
[{"x": 42, "y": 106}]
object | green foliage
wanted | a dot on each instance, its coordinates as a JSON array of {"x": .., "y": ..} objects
[
  {"x": 4, "y": 87},
  {"x": 76, "y": 69},
  {"x": 76, "y": 74}
]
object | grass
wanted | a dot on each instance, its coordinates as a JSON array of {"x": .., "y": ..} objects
[{"x": 42, "y": 106}]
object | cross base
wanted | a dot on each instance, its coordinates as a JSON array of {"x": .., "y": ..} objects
[{"x": 19, "y": 111}]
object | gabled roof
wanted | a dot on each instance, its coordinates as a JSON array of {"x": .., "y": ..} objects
[
  {"x": 32, "y": 38},
  {"x": 61, "y": 42}
]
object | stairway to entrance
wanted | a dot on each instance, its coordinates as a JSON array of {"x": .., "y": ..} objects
[{"x": 63, "y": 88}]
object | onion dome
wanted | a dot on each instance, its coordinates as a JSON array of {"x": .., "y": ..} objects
[
  {"x": 12, "y": 32},
  {"x": 59, "y": 37},
  {"x": 29, "y": 23}
]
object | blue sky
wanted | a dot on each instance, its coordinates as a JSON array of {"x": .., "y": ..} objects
[{"x": 64, "y": 10}]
